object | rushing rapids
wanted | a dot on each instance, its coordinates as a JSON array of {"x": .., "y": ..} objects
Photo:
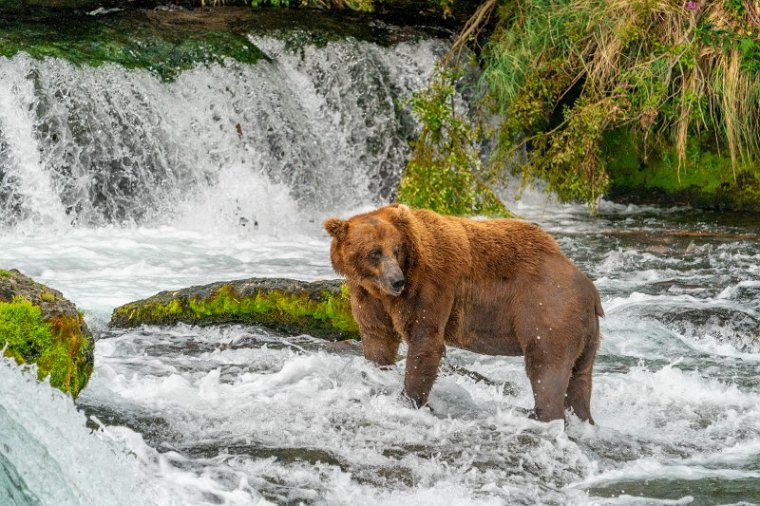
[{"x": 115, "y": 185}]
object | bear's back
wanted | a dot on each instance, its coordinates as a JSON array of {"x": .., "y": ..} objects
[{"x": 495, "y": 248}]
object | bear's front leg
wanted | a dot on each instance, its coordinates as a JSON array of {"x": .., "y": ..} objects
[
  {"x": 422, "y": 359},
  {"x": 426, "y": 319},
  {"x": 380, "y": 341}
]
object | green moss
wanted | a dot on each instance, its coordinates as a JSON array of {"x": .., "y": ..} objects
[
  {"x": 63, "y": 3},
  {"x": 170, "y": 42},
  {"x": 24, "y": 330},
  {"x": 337, "y": 310},
  {"x": 47, "y": 296},
  {"x": 57, "y": 345},
  {"x": 328, "y": 315},
  {"x": 5, "y": 274},
  {"x": 704, "y": 178},
  {"x": 278, "y": 309},
  {"x": 130, "y": 38}
]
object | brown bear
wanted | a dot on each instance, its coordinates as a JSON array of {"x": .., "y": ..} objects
[{"x": 498, "y": 287}]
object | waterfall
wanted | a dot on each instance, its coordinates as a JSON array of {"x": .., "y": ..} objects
[
  {"x": 26, "y": 188},
  {"x": 313, "y": 128}
]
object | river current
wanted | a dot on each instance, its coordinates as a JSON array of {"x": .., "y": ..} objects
[{"x": 240, "y": 415}]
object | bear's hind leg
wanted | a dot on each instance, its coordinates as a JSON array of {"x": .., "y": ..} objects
[
  {"x": 549, "y": 383},
  {"x": 579, "y": 390}
]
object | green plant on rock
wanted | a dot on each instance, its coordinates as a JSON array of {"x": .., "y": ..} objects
[
  {"x": 23, "y": 330},
  {"x": 56, "y": 345},
  {"x": 444, "y": 172},
  {"x": 131, "y": 38},
  {"x": 273, "y": 3},
  {"x": 276, "y": 308},
  {"x": 325, "y": 314}
]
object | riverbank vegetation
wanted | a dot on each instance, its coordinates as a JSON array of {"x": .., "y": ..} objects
[
  {"x": 445, "y": 172},
  {"x": 628, "y": 97}
]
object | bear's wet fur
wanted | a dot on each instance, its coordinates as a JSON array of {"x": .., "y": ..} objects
[{"x": 498, "y": 287}]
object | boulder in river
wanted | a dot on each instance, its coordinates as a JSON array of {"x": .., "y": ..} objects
[
  {"x": 318, "y": 308},
  {"x": 39, "y": 326}
]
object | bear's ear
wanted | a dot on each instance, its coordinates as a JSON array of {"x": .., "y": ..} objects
[
  {"x": 401, "y": 217},
  {"x": 402, "y": 213},
  {"x": 336, "y": 227}
]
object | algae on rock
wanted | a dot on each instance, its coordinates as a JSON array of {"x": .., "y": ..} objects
[
  {"x": 38, "y": 326},
  {"x": 319, "y": 308},
  {"x": 161, "y": 42},
  {"x": 705, "y": 179}
]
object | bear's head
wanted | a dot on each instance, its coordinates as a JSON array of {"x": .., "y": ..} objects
[{"x": 373, "y": 249}]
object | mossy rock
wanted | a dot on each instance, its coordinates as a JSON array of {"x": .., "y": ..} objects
[
  {"x": 70, "y": 4},
  {"x": 169, "y": 41},
  {"x": 319, "y": 308},
  {"x": 163, "y": 42},
  {"x": 39, "y": 326}
]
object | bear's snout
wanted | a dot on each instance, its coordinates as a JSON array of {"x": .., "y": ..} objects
[{"x": 391, "y": 280}]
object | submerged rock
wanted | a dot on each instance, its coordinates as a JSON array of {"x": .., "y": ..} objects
[
  {"x": 319, "y": 308},
  {"x": 39, "y": 326}
]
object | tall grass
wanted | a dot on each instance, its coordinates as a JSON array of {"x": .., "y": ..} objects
[{"x": 564, "y": 73}]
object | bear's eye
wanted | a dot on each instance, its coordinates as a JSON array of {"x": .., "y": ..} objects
[
  {"x": 375, "y": 255},
  {"x": 395, "y": 251}
]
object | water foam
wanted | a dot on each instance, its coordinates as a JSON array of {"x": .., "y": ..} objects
[
  {"x": 48, "y": 456},
  {"x": 335, "y": 426}
]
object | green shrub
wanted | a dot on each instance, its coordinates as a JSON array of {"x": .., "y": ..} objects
[{"x": 444, "y": 172}]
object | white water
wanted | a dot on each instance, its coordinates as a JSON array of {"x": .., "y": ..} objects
[
  {"x": 243, "y": 416},
  {"x": 97, "y": 146}
]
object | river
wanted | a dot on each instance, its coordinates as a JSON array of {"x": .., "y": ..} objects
[{"x": 131, "y": 185}]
